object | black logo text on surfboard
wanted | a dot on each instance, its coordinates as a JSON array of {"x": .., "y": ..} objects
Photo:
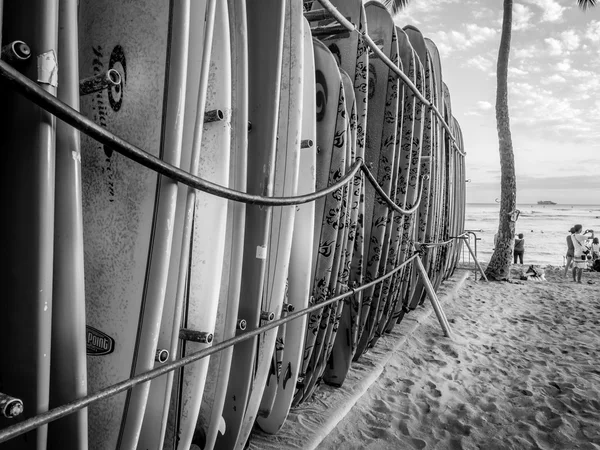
[
  {"x": 115, "y": 100},
  {"x": 98, "y": 343}
]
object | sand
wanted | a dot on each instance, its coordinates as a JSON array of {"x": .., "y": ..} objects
[{"x": 522, "y": 370}]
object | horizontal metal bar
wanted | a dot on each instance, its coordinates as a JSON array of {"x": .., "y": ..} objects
[
  {"x": 69, "y": 408},
  {"x": 306, "y": 143},
  {"x": 319, "y": 14},
  {"x": 99, "y": 82},
  {"x": 16, "y": 51},
  {"x": 204, "y": 337},
  {"x": 161, "y": 355},
  {"x": 10, "y": 407},
  {"x": 329, "y": 30},
  {"x": 214, "y": 115}
]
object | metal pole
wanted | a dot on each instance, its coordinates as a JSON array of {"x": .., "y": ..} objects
[
  {"x": 476, "y": 262},
  {"x": 439, "y": 312}
]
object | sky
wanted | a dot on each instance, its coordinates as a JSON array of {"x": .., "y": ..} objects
[{"x": 554, "y": 93}]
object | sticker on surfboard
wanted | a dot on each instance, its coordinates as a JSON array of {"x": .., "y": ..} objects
[{"x": 97, "y": 342}]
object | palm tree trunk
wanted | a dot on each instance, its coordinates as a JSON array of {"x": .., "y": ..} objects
[{"x": 499, "y": 266}]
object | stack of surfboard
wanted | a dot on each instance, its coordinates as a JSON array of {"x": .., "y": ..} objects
[{"x": 112, "y": 270}]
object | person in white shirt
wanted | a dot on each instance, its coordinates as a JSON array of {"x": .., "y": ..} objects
[{"x": 581, "y": 251}]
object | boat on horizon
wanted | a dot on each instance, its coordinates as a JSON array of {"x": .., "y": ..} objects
[{"x": 546, "y": 202}]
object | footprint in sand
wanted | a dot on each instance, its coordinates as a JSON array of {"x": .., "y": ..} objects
[
  {"x": 407, "y": 384},
  {"x": 437, "y": 362},
  {"x": 388, "y": 384},
  {"x": 546, "y": 418},
  {"x": 379, "y": 406},
  {"x": 416, "y": 361},
  {"x": 419, "y": 443},
  {"x": 448, "y": 350},
  {"x": 489, "y": 407},
  {"x": 433, "y": 389},
  {"x": 403, "y": 427}
]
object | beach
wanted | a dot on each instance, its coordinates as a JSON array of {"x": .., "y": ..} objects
[
  {"x": 544, "y": 227},
  {"x": 521, "y": 370}
]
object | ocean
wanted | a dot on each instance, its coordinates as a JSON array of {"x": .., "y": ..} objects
[{"x": 544, "y": 227}]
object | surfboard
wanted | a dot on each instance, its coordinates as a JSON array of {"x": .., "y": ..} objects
[
  {"x": 211, "y": 411},
  {"x": 336, "y": 217},
  {"x": 458, "y": 225},
  {"x": 448, "y": 151},
  {"x": 299, "y": 279},
  {"x": 352, "y": 54},
  {"x": 380, "y": 156},
  {"x": 28, "y": 174},
  {"x": 68, "y": 369},
  {"x": 207, "y": 244},
  {"x": 339, "y": 356},
  {"x": 414, "y": 184},
  {"x": 436, "y": 189},
  {"x": 408, "y": 133},
  {"x": 265, "y": 24},
  {"x": 327, "y": 209},
  {"x": 394, "y": 227},
  {"x": 282, "y": 220},
  {"x": 128, "y": 210},
  {"x": 153, "y": 428},
  {"x": 422, "y": 216},
  {"x": 439, "y": 162}
]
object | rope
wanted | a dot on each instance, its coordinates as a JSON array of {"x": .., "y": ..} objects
[
  {"x": 33, "y": 92},
  {"x": 387, "y": 199}
]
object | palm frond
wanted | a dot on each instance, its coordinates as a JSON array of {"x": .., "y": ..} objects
[
  {"x": 396, "y": 5},
  {"x": 585, "y": 4}
]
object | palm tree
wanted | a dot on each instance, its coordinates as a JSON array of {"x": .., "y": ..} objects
[{"x": 499, "y": 265}]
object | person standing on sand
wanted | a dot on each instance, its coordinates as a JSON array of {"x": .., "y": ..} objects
[
  {"x": 581, "y": 251},
  {"x": 570, "y": 251},
  {"x": 519, "y": 249}
]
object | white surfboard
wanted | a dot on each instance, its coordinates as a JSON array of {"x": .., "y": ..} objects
[
  {"x": 286, "y": 184},
  {"x": 208, "y": 235},
  {"x": 299, "y": 278}
]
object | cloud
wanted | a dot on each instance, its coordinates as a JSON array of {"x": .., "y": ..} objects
[
  {"x": 564, "y": 65},
  {"x": 477, "y": 34},
  {"x": 516, "y": 71},
  {"x": 551, "y": 10},
  {"x": 470, "y": 36},
  {"x": 481, "y": 106},
  {"x": 592, "y": 31},
  {"x": 554, "y": 78},
  {"x": 554, "y": 46},
  {"x": 480, "y": 62},
  {"x": 524, "y": 53},
  {"x": 570, "y": 40},
  {"x": 521, "y": 17}
]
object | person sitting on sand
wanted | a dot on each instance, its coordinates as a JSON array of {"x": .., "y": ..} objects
[
  {"x": 570, "y": 251},
  {"x": 595, "y": 249},
  {"x": 519, "y": 249},
  {"x": 581, "y": 251}
]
